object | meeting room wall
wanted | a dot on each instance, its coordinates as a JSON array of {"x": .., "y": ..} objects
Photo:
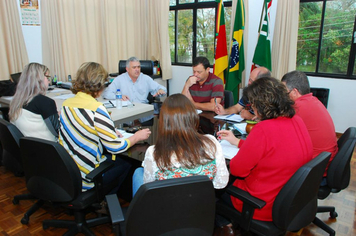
[{"x": 342, "y": 92}]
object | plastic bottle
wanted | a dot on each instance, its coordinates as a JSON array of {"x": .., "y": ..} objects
[
  {"x": 118, "y": 99},
  {"x": 158, "y": 69},
  {"x": 54, "y": 82}
]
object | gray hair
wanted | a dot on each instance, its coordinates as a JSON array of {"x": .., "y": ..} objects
[
  {"x": 30, "y": 85},
  {"x": 264, "y": 72},
  {"x": 130, "y": 60},
  {"x": 297, "y": 80}
]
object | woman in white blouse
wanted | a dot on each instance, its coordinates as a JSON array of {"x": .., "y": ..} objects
[{"x": 180, "y": 150}]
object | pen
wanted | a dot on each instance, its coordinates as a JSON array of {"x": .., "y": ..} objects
[
  {"x": 216, "y": 104},
  {"x": 112, "y": 103}
]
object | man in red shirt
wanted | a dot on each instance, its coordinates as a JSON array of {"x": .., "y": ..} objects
[
  {"x": 314, "y": 114},
  {"x": 203, "y": 88}
]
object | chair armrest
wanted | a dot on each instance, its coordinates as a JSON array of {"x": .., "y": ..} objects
[
  {"x": 250, "y": 203},
  {"x": 245, "y": 197},
  {"x": 99, "y": 171},
  {"x": 115, "y": 211}
]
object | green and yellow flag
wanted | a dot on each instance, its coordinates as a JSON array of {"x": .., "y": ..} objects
[
  {"x": 237, "y": 58},
  {"x": 221, "y": 61},
  {"x": 262, "y": 56}
]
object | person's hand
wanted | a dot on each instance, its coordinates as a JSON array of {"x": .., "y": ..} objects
[
  {"x": 219, "y": 109},
  {"x": 191, "y": 80},
  {"x": 159, "y": 92},
  {"x": 246, "y": 114},
  {"x": 125, "y": 98},
  {"x": 142, "y": 134},
  {"x": 228, "y": 136}
]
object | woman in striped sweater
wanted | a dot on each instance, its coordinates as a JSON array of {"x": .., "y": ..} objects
[{"x": 86, "y": 129}]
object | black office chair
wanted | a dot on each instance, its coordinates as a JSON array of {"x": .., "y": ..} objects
[
  {"x": 52, "y": 175},
  {"x": 322, "y": 94},
  {"x": 182, "y": 206},
  {"x": 294, "y": 207},
  {"x": 228, "y": 99},
  {"x": 338, "y": 175},
  {"x": 10, "y": 141}
]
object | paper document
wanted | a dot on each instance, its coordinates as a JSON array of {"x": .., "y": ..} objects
[
  {"x": 107, "y": 104},
  {"x": 241, "y": 127},
  {"x": 229, "y": 150},
  {"x": 232, "y": 117},
  {"x": 64, "y": 96},
  {"x": 124, "y": 133}
]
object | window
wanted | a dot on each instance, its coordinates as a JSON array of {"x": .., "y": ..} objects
[
  {"x": 192, "y": 29},
  {"x": 326, "y": 38}
]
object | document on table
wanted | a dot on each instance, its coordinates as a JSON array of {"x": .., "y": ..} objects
[
  {"x": 64, "y": 96},
  {"x": 232, "y": 117},
  {"x": 241, "y": 127},
  {"x": 229, "y": 150},
  {"x": 112, "y": 103},
  {"x": 124, "y": 133}
]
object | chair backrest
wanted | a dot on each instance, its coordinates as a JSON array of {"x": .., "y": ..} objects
[
  {"x": 322, "y": 94},
  {"x": 146, "y": 67},
  {"x": 10, "y": 141},
  {"x": 228, "y": 98},
  {"x": 296, "y": 204},
  {"x": 338, "y": 175},
  {"x": 51, "y": 174},
  {"x": 181, "y": 206}
]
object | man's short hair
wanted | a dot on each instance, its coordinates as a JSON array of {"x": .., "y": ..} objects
[
  {"x": 130, "y": 60},
  {"x": 297, "y": 80},
  {"x": 201, "y": 60}
]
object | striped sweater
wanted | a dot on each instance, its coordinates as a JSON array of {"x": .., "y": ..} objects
[{"x": 86, "y": 127}]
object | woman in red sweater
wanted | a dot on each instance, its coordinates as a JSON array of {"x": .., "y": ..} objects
[{"x": 274, "y": 150}]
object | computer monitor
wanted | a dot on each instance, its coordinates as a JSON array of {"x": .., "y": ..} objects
[{"x": 16, "y": 77}]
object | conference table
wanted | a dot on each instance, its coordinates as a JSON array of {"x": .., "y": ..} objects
[{"x": 119, "y": 116}]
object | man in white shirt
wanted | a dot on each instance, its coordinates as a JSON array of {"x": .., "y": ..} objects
[{"x": 134, "y": 86}]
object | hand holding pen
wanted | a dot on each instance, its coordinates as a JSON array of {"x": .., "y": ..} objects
[{"x": 228, "y": 136}]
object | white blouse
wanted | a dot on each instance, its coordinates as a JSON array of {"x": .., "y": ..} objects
[{"x": 219, "y": 181}]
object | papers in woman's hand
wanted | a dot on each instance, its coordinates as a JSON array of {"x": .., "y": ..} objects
[
  {"x": 232, "y": 117},
  {"x": 229, "y": 150},
  {"x": 199, "y": 111},
  {"x": 124, "y": 133}
]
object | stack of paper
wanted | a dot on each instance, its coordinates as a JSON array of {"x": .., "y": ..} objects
[
  {"x": 229, "y": 150},
  {"x": 112, "y": 103},
  {"x": 241, "y": 127},
  {"x": 232, "y": 117}
]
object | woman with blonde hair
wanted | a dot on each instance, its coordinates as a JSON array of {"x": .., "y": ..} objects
[
  {"x": 86, "y": 129},
  {"x": 180, "y": 150},
  {"x": 31, "y": 111}
]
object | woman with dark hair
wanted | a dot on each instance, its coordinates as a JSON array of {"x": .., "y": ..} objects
[
  {"x": 86, "y": 128},
  {"x": 31, "y": 111},
  {"x": 180, "y": 150},
  {"x": 275, "y": 148}
]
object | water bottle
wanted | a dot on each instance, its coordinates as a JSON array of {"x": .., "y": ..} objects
[{"x": 118, "y": 99}]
